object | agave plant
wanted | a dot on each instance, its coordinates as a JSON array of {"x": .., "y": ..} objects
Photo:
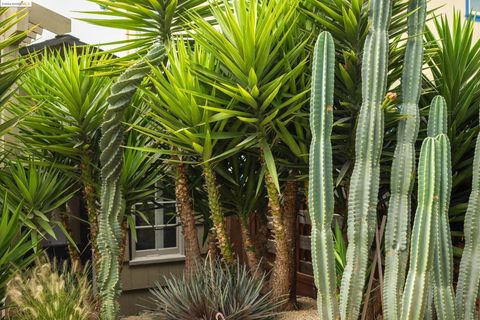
[{"x": 213, "y": 292}]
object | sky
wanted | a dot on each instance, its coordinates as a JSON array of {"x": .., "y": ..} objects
[{"x": 84, "y": 31}]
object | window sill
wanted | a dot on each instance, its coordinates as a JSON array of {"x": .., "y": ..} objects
[{"x": 155, "y": 259}]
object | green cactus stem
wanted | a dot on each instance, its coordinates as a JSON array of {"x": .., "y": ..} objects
[
  {"x": 320, "y": 189},
  {"x": 415, "y": 294},
  {"x": 442, "y": 269},
  {"x": 430, "y": 247},
  {"x": 469, "y": 277},
  {"x": 403, "y": 166},
  {"x": 112, "y": 200},
  {"x": 363, "y": 194}
]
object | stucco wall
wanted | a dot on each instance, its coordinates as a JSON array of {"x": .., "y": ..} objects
[{"x": 448, "y": 6}]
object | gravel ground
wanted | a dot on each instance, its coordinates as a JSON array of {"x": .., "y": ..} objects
[{"x": 307, "y": 312}]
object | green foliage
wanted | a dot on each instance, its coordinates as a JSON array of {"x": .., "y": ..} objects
[
  {"x": 15, "y": 247},
  {"x": 403, "y": 165},
  {"x": 50, "y": 292},
  {"x": 320, "y": 197},
  {"x": 456, "y": 76},
  {"x": 363, "y": 194},
  {"x": 214, "y": 289},
  {"x": 37, "y": 190},
  {"x": 148, "y": 21},
  {"x": 71, "y": 101}
]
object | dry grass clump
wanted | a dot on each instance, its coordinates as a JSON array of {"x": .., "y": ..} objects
[{"x": 48, "y": 292}]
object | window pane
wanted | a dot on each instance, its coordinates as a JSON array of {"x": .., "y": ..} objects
[
  {"x": 475, "y": 5},
  {"x": 169, "y": 213},
  {"x": 148, "y": 212},
  {"x": 145, "y": 239},
  {"x": 169, "y": 237}
]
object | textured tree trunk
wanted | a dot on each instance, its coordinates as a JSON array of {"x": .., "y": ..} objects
[
  {"x": 187, "y": 219},
  {"x": 290, "y": 221},
  {"x": 250, "y": 250},
  {"x": 89, "y": 196},
  {"x": 223, "y": 241},
  {"x": 73, "y": 253},
  {"x": 281, "y": 269}
]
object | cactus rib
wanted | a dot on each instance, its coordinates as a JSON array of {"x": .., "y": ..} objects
[
  {"x": 415, "y": 294},
  {"x": 364, "y": 183},
  {"x": 442, "y": 269},
  {"x": 431, "y": 244},
  {"x": 403, "y": 166},
  {"x": 469, "y": 276},
  {"x": 320, "y": 189},
  {"x": 112, "y": 201}
]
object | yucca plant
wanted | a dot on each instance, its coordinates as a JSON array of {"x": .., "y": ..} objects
[
  {"x": 256, "y": 77},
  {"x": 64, "y": 131},
  {"x": 155, "y": 21},
  {"x": 38, "y": 191},
  {"x": 16, "y": 249},
  {"x": 243, "y": 196},
  {"x": 183, "y": 108},
  {"x": 214, "y": 292},
  {"x": 456, "y": 77},
  {"x": 48, "y": 291}
]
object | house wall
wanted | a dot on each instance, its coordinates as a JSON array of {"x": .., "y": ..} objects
[
  {"x": 448, "y": 6},
  {"x": 137, "y": 278}
]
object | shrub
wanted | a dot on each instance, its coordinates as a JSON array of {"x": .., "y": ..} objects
[
  {"x": 48, "y": 291},
  {"x": 213, "y": 291}
]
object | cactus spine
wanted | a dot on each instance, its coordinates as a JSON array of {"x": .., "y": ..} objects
[
  {"x": 112, "y": 201},
  {"x": 320, "y": 189},
  {"x": 434, "y": 184},
  {"x": 469, "y": 277},
  {"x": 364, "y": 183},
  {"x": 403, "y": 166},
  {"x": 442, "y": 270}
]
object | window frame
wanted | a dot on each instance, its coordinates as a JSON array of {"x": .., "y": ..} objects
[
  {"x": 158, "y": 254},
  {"x": 468, "y": 11}
]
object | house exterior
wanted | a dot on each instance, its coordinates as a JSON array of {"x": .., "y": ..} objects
[
  {"x": 464, "y": 6},
  {"x": 158, "y": 251}
]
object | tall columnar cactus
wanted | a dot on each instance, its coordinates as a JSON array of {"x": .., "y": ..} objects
[
  {"x": 403, "y": 166},
  {"x": 415, "y": 295},
  {"x": 320, "y": 189},
  {"x": 442, "y": 268},
  {"x": 112, "y": 200},
  {"x": 434, "y": 186},
  {"x": 469, "y": 277},
  {"x": 362, "y": 200}
]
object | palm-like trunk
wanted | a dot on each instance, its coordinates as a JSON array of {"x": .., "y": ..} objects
[
  {"x": 89, "y": 196},
  {"x": 216, "y": 214},
  {"x": 290, "y": 221},
  {"x": 250, "y": 250},
  {"x": 281, "y": 270},
  {"x": 187, "y": 219}
]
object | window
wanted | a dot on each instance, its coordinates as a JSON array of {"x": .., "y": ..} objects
[
  {"x": 473, "y": 8},
  {"x": 158, "y": 233}
]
